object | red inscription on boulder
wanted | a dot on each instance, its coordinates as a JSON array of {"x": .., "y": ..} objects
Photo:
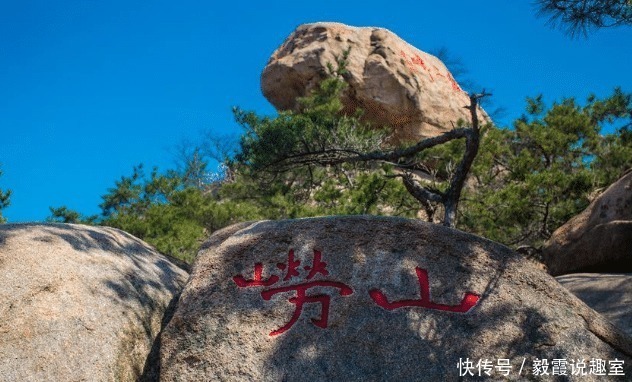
[
  {"x": 256, "y": 280},
  {"x": 468, "y": 302},
  {"x": 416, "y": 60},
  {"x": 318, "y": 267},
  {"x": 302, "y": 298}
]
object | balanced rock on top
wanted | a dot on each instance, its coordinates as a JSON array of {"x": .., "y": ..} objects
[{"x": 394, "y": 83}]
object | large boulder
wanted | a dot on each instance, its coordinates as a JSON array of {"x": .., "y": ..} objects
[
  {"x": 599, "y": 239},
  {"x": 608, "y": 293},
  {"x": 375, "y": 299},
  {"x": 80, "y": 303},
  {"x": 394, "y": 83}
]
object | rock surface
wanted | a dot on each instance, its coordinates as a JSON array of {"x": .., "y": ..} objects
[
  {"x": 597, "y": 240},
  {"x": 608, "y": 293},
  {"x": 372, "y": 299},
  {"x": 394, "y": 83},
  {"x": 79, "y": 303}
]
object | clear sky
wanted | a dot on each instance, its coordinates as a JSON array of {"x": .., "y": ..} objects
[{"x": 89, "y": 89}]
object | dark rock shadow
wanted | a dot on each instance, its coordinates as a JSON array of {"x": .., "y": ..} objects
[
  {"x": 151, "y": 370},
  {"x": 608, "y": 294}
]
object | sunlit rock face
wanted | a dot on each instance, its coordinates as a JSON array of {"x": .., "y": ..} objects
[
  {"x": 371, "y": 299},
  {"x": 599, "y": 239},
  {"x": 80, "y": 303},
  {"x": 394, "y": 83}
]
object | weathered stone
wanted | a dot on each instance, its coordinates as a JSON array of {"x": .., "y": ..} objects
[
  {"x": 597, "y": 240},
  {"x": 79, "y": 303},
  {"x": 608, "y": 293},
  {"x": 394, "y": 83},
  {"x": 371, "y": 299}
]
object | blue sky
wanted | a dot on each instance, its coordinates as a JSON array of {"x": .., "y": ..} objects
[{"x": 89, "y": 89}]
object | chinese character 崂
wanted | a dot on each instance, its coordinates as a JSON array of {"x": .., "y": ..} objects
[{"x": 291, "y": 269}]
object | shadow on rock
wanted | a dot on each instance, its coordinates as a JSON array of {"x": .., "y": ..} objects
[{"x": 244, "y": 314}]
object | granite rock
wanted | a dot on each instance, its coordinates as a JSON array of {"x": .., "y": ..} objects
[
  {"x": 372, "y": 298},
  {"x": 608, "y": 293},
  {"x": 394, "y": 83},
  {"x": 80, "y": 303},
  {"x": 599, "y": 239}
]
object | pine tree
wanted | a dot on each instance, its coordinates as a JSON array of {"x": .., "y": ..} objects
[
  {"x": 530, "y": 180},
  {"x": 579, "y": 16},
  {"x": 319, "y": 140},
  {"x": 4, "y": 201}
]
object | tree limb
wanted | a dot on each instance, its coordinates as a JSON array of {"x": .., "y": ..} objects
[{"x": 472, "y": 142}]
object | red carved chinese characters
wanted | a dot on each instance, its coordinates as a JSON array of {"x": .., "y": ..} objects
[
  {"x": 318, "y": 269},
  {"x": 302, "y": 298},
  {"x": 291, "y": 266},
  {"x": 318, "y": 266},
  {"x": 256, "y": 280},
  {"x": 469, "y": 299},
  {"x": 416, "y": 60},
  {"x": 453, "y": 83},
  {"x": 292, "y": 270}
]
